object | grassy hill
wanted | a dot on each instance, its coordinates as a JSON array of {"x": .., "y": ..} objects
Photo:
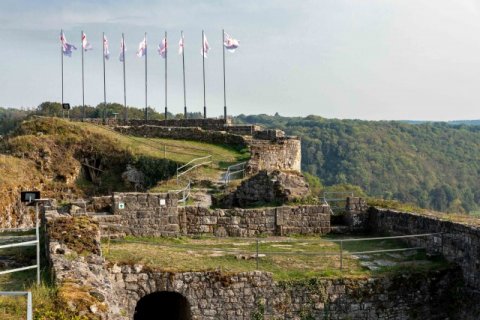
[
  {"x": 73, "y": 159},
  {"x": 434, "y": 165}
]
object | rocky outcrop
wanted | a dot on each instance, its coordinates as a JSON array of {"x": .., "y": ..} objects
[{"x": 277, "y": 187}]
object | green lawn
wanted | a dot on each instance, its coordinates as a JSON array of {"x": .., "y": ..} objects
[{"x": 286, "y": 258}]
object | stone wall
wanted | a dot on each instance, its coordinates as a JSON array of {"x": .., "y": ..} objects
[
  {"x": 282, "y": 154},
  {"x": 255, "y": 295},
  {"x": 254, "y": 222},
  {"x": 268, "y": 134},
  {"x": 151, "y": 214},
  {"x": 205, "y": 124},
  {"x": 187, "y": 133},
  {"x": 243, "y": 129},
  {"x": 146, "y": 214},
  {"x": 267, "y": 188},
  {"x": 111, "y": 292},
  {"x": 459, "y": 243}
]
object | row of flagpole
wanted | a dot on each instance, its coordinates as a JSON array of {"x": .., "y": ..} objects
[{"x": 229, "y": 43}]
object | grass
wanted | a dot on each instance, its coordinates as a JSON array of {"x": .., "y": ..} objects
[
  {"x": 175, "y": 150},
  {"x": 286, "y": 258},
  {"x": 47, "y": 304}
]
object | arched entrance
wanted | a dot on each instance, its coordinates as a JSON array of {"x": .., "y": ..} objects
[{"x": 163, "y": 305}]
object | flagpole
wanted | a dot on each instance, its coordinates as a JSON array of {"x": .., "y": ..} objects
[
  {"x": 124, "y": 81},
  {"x": 146, "y": 54},
  {"x": 61, "y": 56},
  {"x": 104, "y": 81},
  {"x": 203, "y": 67},
  {"x": 166, "y": 57},
  {"x": 83, "y": 82},
  {"x": 224, "y": 82},
  {"x": 184, "y": 91}
]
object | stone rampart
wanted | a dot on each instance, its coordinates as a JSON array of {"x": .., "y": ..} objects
[
  {"x": 459, "y": 243},
  {"x": 205, "y": 124},
  {"x": 254, "y": 222},
  {"x": 184, "y": 133},
  {"x": 255, "y": 295},
  {"x": 151, "y": 214}
]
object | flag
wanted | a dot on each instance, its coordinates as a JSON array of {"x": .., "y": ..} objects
[
  {"x": 123, "y": 48},
  {"x": 85, "y": 44},
  {"x": 230, "y": 43},
  {"x": 106, "y": 52},
  {"x": 205, "y": 47},
  {"x": 162, "y": 48},
  {"x": 142, "y": 48},
  {"x": 181, "y": 45},
  {"x": 66, "y": 47}
]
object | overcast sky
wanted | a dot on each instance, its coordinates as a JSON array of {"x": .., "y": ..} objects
[{"x": 368, "y": 59}]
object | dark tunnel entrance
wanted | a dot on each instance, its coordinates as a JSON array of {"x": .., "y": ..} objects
[{"x": 163, "y": 306}]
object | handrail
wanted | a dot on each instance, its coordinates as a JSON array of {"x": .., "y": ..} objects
[
  {"x": 185, "y": 192},
  {"x": 22, "y": 293},
  {"x": 230, "y": 171},
  {"x": 179, "y": 174},
  {"x": 196, "y": 159}
]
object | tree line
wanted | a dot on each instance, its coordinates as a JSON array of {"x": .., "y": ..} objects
[{"x": 433, "y": 165}]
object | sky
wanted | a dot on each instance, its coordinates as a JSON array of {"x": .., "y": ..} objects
[{"x": 368, "y": 59}]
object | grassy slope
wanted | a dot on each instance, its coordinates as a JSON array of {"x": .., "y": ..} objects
[{"x": 56, "y": 146}]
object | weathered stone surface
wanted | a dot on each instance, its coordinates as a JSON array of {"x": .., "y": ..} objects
[
  {"x": 267, "y": 187},
  {"x": 282, "y": 153},
  {"x": 144, "y": 215},
  {"x": 213, "y": 295},
  {"x": 254, "y": 222}
]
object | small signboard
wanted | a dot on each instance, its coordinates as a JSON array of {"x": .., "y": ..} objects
[
  {"x": 162, "y": 202},
  {"x": 121, "y": 205},
  {"x": 66, "y": 106},
  {"x": 29, "y": 196}
]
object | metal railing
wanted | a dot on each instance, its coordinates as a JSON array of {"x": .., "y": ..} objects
[
  {"x": 28, "y": 294},
  {"x": 192, "y": 164},
  {"x": 35, "y": 242},
  {"x": 233, "y": 170},
  {"x": 185, "y": 192},
  {"x": 336, "y": 198},
  {"x": 341, "y": 253}
]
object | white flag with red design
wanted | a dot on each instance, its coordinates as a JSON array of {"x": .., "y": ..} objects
[
  {"x": 181, "y": 45},
  {"x": 66, "y": 47},
  {"x": 205, "y": 47},
  {"x": 123, "y": 48},
  {"x": 162, "y": 48},
  {"x": 85, "y": 44},
  {"x": 142, "y": 48},
  {"x": 106, "y": 52},
  {"x": 230, "y": 43}
]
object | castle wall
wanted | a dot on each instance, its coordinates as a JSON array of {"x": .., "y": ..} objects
[
  {"x": 255, "y": 295},
  {"x": 150, "y": 214},
  {"x": 111, "y": 292},
  {"x": 459, "y": 243},
  {"x": 144, "y": 214},
  {"x": 187, "y": 133},
  {"x": 254, "y": 222}
]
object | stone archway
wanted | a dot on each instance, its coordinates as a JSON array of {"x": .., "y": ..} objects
[{"x": 163, "y": 305}]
